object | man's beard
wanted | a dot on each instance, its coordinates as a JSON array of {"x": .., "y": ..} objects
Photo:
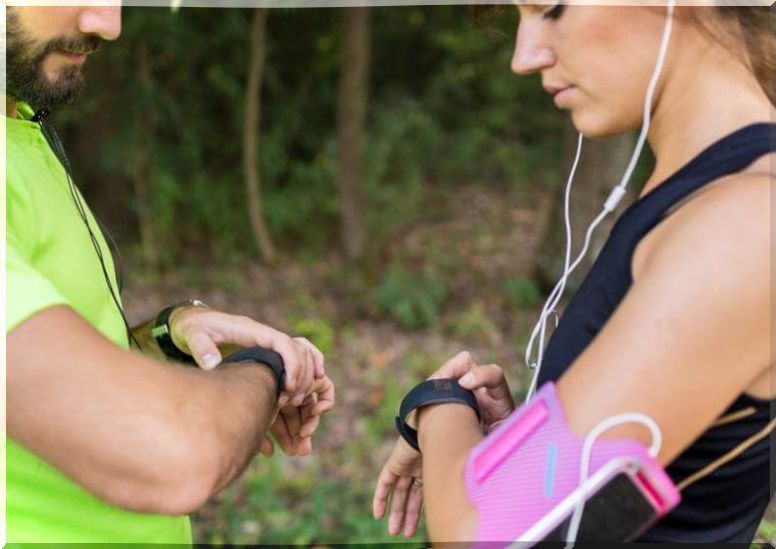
[{"x": 26, "y": 80}]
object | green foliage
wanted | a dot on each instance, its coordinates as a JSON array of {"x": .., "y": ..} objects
[
  {"x": 412, "y": 300},
  {"x": 521, "y": 292},
  {"x": 473, "y": 323},
  {"x": 317, "y": 330},
  {"x": 443, "y": 110}
]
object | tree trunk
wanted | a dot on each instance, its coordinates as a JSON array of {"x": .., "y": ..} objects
[
  {"x": 351, "y": 119},
  {"x": 142, "y": 168},
  {"x": 600, "y": 169},
  {"x": 252, "y": 135}
]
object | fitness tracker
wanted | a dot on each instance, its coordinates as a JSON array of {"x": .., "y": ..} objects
[
  {"x": 265, "y": 357},
  {"x": 433, "y": 391},
  {"x": 161, "y": 332}
]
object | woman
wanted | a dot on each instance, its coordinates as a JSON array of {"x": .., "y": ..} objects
[{"x": 673, "y": 320}]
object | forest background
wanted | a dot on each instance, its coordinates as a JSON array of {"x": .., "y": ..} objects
[{"x": 374, "y": 179}]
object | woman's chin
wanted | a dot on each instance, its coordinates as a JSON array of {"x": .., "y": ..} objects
[{"x": 595, "y": 126}]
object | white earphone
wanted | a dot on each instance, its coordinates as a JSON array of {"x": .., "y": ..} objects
[{"x": 616, "y": 196}]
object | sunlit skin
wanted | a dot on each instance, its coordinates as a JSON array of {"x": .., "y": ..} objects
[
  {"x": 701, "y": 289},
  {"x": 51, "y": 22},
  {"x": 607, "y": 55}
]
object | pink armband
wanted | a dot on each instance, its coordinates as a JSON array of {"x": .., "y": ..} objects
[{"x": 524, "y": 480}]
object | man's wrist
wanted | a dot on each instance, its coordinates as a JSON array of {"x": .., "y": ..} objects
[
  {"x": 257, "y": 376},
  {"x": 162, "y": 331}
]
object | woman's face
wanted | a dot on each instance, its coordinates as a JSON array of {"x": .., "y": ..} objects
[{"x": 595, "y": 61}]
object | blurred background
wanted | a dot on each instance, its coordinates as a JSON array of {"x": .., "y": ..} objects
[{"x": 373, "y": 179}]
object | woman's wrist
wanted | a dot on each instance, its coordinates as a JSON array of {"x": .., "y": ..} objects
[{"x": 440, "y": 421}]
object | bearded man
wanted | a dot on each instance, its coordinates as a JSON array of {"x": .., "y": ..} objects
[{"x": 106, "y": 441}]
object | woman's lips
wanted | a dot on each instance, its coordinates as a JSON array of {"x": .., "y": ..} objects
[{"x": 563, "y": 96}]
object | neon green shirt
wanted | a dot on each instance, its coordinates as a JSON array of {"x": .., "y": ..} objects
[{"x": 50, "y": 261}]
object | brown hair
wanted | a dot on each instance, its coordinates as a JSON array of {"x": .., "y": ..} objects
[{"x": 754, "y": 28}]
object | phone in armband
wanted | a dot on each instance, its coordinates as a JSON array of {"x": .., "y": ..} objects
[
  {"x": 525, "y": 481},
  {"x": 621, "y": 501}
]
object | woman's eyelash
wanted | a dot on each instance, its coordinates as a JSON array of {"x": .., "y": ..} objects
[{"x": 555, "y": 12}]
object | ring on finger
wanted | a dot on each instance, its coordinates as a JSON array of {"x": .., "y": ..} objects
[{"x": 417, "y": 483}]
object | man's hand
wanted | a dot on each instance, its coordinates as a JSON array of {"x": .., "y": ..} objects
[
  {"x": 404, "y": 464},
  {"x": 294, "y": 426},
  {"x": 199, "y": 331}
]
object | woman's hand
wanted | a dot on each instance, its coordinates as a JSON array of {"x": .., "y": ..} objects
[
  {"x": 400, "y": 478},
  {"x": 402, "y": 474},
  {"x": 486, "y": 382},
  {"x": 199, "y": 331}
]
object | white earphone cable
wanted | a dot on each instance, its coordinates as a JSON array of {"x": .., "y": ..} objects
[{"x": 616, "y": 196}]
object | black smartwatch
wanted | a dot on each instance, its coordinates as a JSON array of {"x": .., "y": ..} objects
[
  {"x": 266, "y": 357},
  {"x": 433, "y": 391},
  {"x": 161, "y": 332}
]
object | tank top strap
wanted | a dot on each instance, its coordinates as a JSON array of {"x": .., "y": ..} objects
[{"x": 729, "y": 155}]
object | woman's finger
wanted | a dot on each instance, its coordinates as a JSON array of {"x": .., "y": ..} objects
[
  {"x": 399, "y": 505},
  {"x": 456, "y": 366},
  {"x": 490, "y": 376},
  {"x": 385, "y": 484},
  {"x": 414, "y": 505}
]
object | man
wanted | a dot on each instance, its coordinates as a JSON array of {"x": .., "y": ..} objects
[{"x": 105, "y": 444}]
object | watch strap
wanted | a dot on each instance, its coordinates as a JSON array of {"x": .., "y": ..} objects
[
  {"x": 265, "y": 357},
  {"x": 432, "y": 391},
  {"x": 163, "y": 337}
]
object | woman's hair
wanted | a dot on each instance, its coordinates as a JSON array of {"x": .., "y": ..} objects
[{"x": 753, "y": 28}]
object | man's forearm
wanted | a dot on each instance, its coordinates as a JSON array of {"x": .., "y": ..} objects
[
  {"x": 138, "y": 434},
  {"x": 247, "y": 406}
]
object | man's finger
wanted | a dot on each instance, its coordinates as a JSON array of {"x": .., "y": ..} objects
[
  {"x": 310, "y": 421},
  {"x": 280, "y": 431},
  {"x": 326, "y": 395},
  {"x": 318, "y": 357},
  {"x": 246, "y": 332},
  {"x": 267, "y": 448},
  {"x": 292, "y": 419},
  {"x": 203, "y": 349}
]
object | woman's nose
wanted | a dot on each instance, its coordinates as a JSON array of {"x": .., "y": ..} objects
[{"x": 532, "y": 53}]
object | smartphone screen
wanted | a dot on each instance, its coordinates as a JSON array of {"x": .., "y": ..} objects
[{"x": 617, "y": 512}]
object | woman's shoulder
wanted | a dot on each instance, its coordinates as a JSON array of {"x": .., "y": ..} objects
[{"x": 729, "y": 217}]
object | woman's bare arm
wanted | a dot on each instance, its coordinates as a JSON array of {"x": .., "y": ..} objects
[{"x": 692, "y": 334}]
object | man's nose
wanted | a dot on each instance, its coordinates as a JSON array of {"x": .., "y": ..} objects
[
  {"x": 104, "y": 22},
  {"x": 531, "y": 54}
]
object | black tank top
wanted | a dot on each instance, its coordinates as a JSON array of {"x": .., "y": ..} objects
[{"x": 722, "y": 502}]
